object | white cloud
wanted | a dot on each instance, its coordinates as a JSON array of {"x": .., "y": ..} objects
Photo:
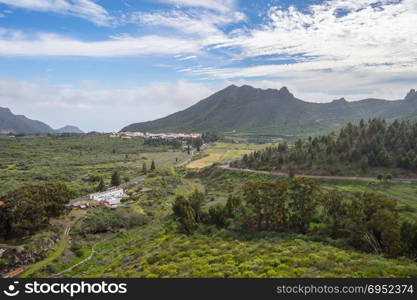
[
  {"x": 200, "y": 22},
  {"x": 351, "y": 48},
  {"x": 98, "y": 108},
  {"x": 355, "y": 48},
  {"x": 44, "y": 44},
  {"x": 321, "y": 86},
  {"x": 186, "y": 58},
  {"x": 85, "y": 9},
  {"x": 218, "y": 5},
  {"x": 338, "y": 33}
]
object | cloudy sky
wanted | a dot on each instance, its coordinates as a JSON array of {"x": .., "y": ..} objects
[{"x": 102, "y": 64}]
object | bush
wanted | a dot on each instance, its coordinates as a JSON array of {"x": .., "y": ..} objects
[{"x": 103, "y": 220}]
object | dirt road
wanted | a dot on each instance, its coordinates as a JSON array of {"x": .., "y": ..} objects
[{"x": 276, "y": 173}]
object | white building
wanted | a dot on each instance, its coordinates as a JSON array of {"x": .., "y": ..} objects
[{"x": 113, "y": 197}]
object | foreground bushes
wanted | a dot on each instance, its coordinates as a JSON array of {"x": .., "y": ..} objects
[
  {"x": 112, "y": 220},
  {"x": 366, "y": 221}
]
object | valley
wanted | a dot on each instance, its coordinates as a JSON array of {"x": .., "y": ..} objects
[{"x": 142, "y": 237}]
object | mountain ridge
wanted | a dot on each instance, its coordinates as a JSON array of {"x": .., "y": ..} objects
[{"x": 248, "y": 109}]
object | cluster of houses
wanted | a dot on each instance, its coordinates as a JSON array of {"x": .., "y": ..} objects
[{"x": 129, "y": 135}]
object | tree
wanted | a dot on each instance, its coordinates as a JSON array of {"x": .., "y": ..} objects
[
  {"x": 291, "y": 171},
  {"x": 335, "y": 212},
  {"x": 304, "y": 196},
  {"x": 144, "y": 169},
  {"x": 197, "y": 143},
  {"x": 29, "y": 208},
  {"x": 101, "y": 186},
  {"x": 233, "y": 206},
  {"x": 153, "y": 167},
  {"x": 196, "y": 199},
  {"x": 115, "y": 179},
  {"x": 364, "y": 163},
  {"x": 385, "y": 227},
  {"x": 265, "y": 206},
  {"x": 184, "y": 211},
  {"x": 217, "y": 215},
  {"x": 409, "y": 239}
]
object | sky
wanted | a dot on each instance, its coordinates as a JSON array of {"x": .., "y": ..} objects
[{"x": 103, "y": 64}]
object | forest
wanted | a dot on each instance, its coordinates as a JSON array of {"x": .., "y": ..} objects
[{"x": 366, "y": 148}]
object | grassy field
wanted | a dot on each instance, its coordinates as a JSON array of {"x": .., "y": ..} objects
[
  {"x": 223, "y": 152},
  {"x": 69, "y": 159}
]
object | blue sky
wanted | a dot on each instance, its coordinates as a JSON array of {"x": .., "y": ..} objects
[{"x": 103, "y": 64}]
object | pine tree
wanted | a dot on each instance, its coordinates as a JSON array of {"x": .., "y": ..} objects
[
  {"x": 115, "y": 179},
  {"x": 153, "y": 167},
  {"x": 101, "y": 186},
  {"x": 144, "y": 168}
]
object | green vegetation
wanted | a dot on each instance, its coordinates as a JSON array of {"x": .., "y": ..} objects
[
  {"x": 367, "y": 221},
  {"x": 143, "y": 253},
  {"x": 158, "y": 249},
  {"x": 57, "y": 252},
  {"x": 30, "y": 208},
  {"x": 115, "y": 179},
  {"x": 365, "y": 148},
  {"x": 108, "y": 220},
  {"x": 78, "y": 160},
  {"x": 209, "y": 222}
]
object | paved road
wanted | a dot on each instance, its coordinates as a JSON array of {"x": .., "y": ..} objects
[{"x": 227, "y": 167}]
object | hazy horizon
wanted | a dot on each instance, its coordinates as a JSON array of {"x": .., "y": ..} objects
[{"x": 117, "y": 130}]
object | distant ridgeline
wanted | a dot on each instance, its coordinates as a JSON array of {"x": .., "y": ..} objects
[
  {"x": 269, "y": 111},
  {"x": 19, "y": 124},
  {"x": 364, "y": 148}
]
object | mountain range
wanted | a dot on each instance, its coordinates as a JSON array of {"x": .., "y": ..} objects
[
  {"x": 19, "y": 124},
  {"x": 270, "y": 111}
]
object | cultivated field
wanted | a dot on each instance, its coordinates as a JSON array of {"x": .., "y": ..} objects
[{"x": 223, "y": 152}]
